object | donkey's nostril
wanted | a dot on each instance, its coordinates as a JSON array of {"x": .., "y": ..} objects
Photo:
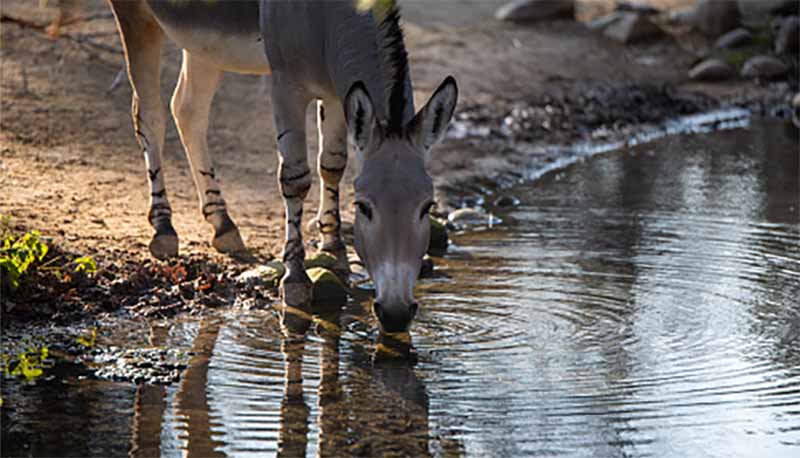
[
  {"x": 378, "y": 310},
  {"x": 413, "y": 309}
]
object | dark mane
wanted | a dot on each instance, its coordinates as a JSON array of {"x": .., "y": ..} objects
[{"x": 395, "y": 67}]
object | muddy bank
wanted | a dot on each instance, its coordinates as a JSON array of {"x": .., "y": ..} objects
[{"x": 70, "y": 166}]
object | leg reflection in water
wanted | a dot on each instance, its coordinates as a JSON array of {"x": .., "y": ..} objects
[
  {"x": 376, "y": 407},
  {"x": 148, "y": 410},
  {"x": 191, "y": 400},
  {"x": 293, "y": 434}
]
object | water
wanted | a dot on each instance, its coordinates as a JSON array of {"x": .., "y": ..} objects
[{"x": 642, "y": 303}]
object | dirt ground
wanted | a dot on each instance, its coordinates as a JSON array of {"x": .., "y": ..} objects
[{"x": 71, "y": 168}]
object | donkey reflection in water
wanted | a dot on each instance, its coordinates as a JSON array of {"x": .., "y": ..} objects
[{"x": 353, "y": 63}]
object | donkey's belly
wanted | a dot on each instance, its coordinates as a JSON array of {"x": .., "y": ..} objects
[{"x": 223, "y": 32}]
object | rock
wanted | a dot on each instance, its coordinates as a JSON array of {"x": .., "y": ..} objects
[
  {"x": 715, "y": 17},
  {"x": 321, "y": 259},
  {"x": 439, "y": 239},
  {"x": 647, "y": 10},
  {"x": 787, "y": 37},
  {"x": 711, "y": 70},
  {"x": 784, "y": 7},
  {"x": 464, "y": 217},
  {"x": 467, "y": 216},
  {"x": 327, "y": 288},
  {"x": 602, "y": 22},
  {"x": 426, "y": 270},
  {"x": 757, "y": 11},
  {"x": 763, "y": 67},
  {"x": 734, "y": 39},
  {"x": 269, "y": 274},
  {"x": 506, "y": 201},
  {"x": 632, "y": 27},
  {"x": 536, "y": 10}
]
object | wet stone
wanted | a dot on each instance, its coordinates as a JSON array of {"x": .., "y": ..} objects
[
  {"x": 763, "y": 67},
  {"x": 711, "y": 70},
  {"x": 787, "y": 37},
  {"x": 506, "y": 201},
  {"x": 327, "y": 288},
  {"x": 269, "y": 275},
  {"x": 321, "y": 259},
  {"x": 536, "y": 10},
  {"x": 638, "y": 8},
  {"x": 632, "y": 27},
  {"x": 600, "y": 24},
  {"x": 734, "y": 39},
  {"x": 465, "y": 217},
  {"x": 714, "y": 17},
  {"x": 438, "y": 239}
]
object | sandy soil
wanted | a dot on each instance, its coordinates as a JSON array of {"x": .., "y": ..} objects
[{"x": 70, "y": 166}]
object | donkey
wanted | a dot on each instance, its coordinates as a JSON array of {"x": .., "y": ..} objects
[{"x": 352, "y": 62}]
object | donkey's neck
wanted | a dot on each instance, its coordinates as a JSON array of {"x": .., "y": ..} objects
[{"x": 355, "y": 52}]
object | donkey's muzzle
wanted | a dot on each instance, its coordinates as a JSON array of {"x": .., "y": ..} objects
[{"x": 396, "y": 318}]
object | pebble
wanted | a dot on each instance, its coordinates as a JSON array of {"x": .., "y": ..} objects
[
  {"x": 787, "y": 37},
  {"x": 327, "y": 288},
  {"x": 734, "y": 39},
  {"x": 711, "y": 70},
  {"x": 320, "y": 259},
  {"x": 269, "y": 274},
  {"x": 638, "y": 8},
  {"x": 506, "y": 201},
  {"x": 536, "y": 10},
  {"x": 632, "y": 27},
  {"x": 715, "y": 17},
  {"x": 464, "y": 217},
  {"x": 763, "y": 67},
  {"x": 599, "y": 24}
]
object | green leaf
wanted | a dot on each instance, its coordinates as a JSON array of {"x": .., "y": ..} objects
[{"x": 85, "y": 264}]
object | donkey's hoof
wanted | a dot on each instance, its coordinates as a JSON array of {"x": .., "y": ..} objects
[
  {"x": 229, "y": 242},
  {"x": 164, "y": 246}
]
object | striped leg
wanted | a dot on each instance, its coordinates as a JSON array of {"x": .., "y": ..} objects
[
  {"x": 294, "y": 177},
  {"x": 331, "y": 164},
  {"x": 142, "y": 38},
  {"x": 190, "y": 105}
]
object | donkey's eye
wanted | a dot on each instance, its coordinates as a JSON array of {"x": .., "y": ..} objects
[
  {"x": 364, "y": 209},
  {"x": 426, "y": 209}
]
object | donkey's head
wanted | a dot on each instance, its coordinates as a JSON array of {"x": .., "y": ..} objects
[{"x": 394, "y": 195}]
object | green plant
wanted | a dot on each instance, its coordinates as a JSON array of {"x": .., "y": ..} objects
[
  {"x": 21, "y": 255},
  {"x": 27, "y": 364},
  {"x": 85, "y": 264},
  {"x": 18, "y": 255}
]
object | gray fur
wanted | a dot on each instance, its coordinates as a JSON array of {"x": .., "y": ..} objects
[{"x": 355, "y": 68}]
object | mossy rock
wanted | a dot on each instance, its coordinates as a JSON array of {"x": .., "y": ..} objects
[
  {"x": 438, "y": 241},
  {"x": 269, "y": 274},
  {"x": 321, "y": 259},
  {"x": 327, "y": 286}
]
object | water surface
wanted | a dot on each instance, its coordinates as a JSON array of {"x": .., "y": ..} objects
[{"x": 642, "y": 303}]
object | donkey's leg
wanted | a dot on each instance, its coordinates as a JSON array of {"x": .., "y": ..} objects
[
  {"x": 191, "y": 103},
  {"x": 331, "y": 164},
  {"x": 289, "y": 104},
  {"x": 142, "y": 39}
]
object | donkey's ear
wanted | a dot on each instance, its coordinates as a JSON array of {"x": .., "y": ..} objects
[
  {"x": 360, "y": 115},
  {"x": 430, "y": 124}
]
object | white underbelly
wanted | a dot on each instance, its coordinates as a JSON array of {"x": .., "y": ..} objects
[{"x": 239, "y": 53}]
